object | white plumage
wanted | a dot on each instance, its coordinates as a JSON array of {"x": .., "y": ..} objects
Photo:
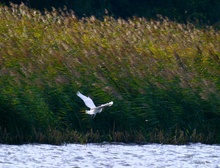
[{"x": 89, "y": 103}]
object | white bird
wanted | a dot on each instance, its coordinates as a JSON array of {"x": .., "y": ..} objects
[{"x": 89, "y": 103}]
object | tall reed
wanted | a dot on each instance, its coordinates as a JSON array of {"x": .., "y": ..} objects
[{"x": 162, "y": 76}]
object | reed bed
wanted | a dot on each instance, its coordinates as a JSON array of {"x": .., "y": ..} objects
[{"x": 162, "y": 76}]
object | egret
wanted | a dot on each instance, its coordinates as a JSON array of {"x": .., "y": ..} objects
[{"x": 89, "y": 103}]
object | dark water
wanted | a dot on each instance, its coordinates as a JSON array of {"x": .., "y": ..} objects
[{"x": 110, "y": 155}]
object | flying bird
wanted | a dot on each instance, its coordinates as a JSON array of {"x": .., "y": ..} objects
[{"x": 89, "y": 103}]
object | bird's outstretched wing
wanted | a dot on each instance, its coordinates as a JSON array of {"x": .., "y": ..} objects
[
  {"x": 106, "y": 104},
  {"x": 87, "y": 100}
]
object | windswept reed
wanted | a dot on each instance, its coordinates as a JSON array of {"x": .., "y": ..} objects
[{"x": 162, "y": 76}]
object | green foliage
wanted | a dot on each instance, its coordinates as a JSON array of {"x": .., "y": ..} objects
[{"x": 162, "y": 76}]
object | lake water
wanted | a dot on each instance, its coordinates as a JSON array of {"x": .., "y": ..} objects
[{"x": 110, "y": 155}]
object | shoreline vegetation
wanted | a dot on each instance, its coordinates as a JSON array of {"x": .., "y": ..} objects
[{"x": 162, "y": 76}]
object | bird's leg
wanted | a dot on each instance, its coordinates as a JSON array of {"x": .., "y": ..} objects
[{"x": 93, "y": 116}]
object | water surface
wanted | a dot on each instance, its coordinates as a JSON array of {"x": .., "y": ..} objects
[{"x": 110, "y": 155}]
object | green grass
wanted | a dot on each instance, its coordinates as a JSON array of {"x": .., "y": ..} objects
[{"x": 160, "y": 71}]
